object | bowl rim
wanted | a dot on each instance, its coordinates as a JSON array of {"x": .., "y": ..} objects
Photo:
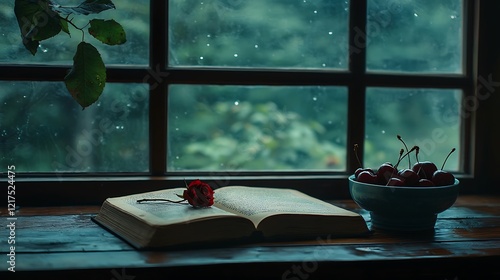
[{"x": 351, "y": 179}]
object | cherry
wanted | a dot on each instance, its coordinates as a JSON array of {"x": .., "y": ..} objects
[
  {"x": 441, "y": 177},
  {"x": 394, "y": 181},
  {"x": 424, "y": 169},
  {"x": 425, "y": 183},
  {"x": 385, "y": 172},
  {"x": 367, "y": 177},
  {"x": 360, "y": 169},
  {"x": 408, "y": 176}
]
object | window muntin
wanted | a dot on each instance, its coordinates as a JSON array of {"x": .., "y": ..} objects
[
  {"x": 60, "y": 49},
  {"x": 259, "y": 33},
  {"x": 42, "y": 129},
  {"x": 429, "y": 118},
  {"x": 415, "y": 36},
  {"x": 266, "y": 128}
]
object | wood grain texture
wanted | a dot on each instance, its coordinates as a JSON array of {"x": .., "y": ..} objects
[{"x": 65, "y": 242}]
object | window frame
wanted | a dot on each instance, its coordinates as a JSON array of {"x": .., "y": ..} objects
[{"x": 73, "y": 189}]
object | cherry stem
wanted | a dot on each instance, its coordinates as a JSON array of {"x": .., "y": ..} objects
[
  {"x": 356, "y": 146},
  {"x": 417, "y": 150},
  {"x": 396, "y": 166},
  {"x": 406, "y": 147},
  {"x": 159, "y": 199},
  {"x": 400, "y": 158},
  {"x": 401, "y": 152},
  {"x": 452, "y": 150}
]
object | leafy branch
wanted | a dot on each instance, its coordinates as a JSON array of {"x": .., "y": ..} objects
[{"x": 43, "y": 19}]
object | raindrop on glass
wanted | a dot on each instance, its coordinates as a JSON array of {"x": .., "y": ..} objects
[{"x": 44, "y": 50}]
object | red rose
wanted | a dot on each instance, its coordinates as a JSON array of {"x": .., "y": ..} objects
[{"x": 199, "y": 194}]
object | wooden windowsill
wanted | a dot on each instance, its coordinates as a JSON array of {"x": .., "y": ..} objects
[{"x": 65, "y": 242}]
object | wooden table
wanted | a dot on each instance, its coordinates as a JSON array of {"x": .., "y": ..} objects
[{"x": 64, "y": 243}]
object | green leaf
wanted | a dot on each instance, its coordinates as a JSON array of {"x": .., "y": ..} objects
[
  {"x": 87, "y": 78},
  {"x": 85, "y": 8},
  {"x": 31, "y": 46},
  {"x": 109, "y": 32},
  {"x": 44, "y": 27},
  {"x": 65, "y": 26},
  {"x": 36, "y": 22}
]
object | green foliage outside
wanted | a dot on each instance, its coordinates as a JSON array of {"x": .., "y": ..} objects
[{"x": 257, "y": 128}]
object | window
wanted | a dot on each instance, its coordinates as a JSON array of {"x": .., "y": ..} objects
[{"x": 258, "y": 92}]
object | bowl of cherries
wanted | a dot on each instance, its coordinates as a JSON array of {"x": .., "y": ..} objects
[{"x": 405, "y": 198}]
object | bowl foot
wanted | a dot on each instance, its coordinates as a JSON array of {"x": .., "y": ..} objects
[{"x": 405, "y": 223}]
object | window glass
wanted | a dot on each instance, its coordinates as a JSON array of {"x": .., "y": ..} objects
[
  {"x": 259, "y": 33},
  {"x": 220, "y": 128},
  {"x": 43, "y": 129},
  {"x": 132, "y": 15},
  {"x": 429, "y": 118},
  {"x": 415, "y": 36}
]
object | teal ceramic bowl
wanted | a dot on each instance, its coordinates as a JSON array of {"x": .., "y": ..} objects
[{"x": 403, "y": 208}]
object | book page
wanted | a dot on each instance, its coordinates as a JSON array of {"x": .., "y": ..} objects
[
  {"x": 256, "y": 203},
  {"x": 163, "y": 213}
]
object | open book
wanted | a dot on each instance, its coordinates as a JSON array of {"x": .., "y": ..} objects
[{"x": 239, "y": 213}]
